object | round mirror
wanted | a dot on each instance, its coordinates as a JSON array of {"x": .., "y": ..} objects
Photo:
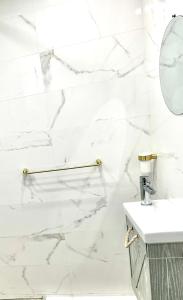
[{"x": 171, "y": 65}]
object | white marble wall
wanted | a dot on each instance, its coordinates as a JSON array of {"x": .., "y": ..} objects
[
  {"x": 166, "y": 128},
  {"x": 72, "y": 89}
]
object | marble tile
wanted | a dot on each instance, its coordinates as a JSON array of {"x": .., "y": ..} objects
[
  {"x": 98, "y": 60},
  {"x": 50, "y": 246},
  {"x": 109, "y": 278},
  {"x": 167, "y": 136},
  {"x": 26, "y": 150},
  {"x": 46, "y": 217},
  {"x": 17, "y": 36},
  {"x": 73, "y": 89},
  {"x": 26, "y": 114},
  {"x": 33, "y": 113},
  {"x": 37, "y": 250},
  {"x": 69, "y": 20},
  {"x": 125, "y": 17},
  {"x": 15, "y": 7},
  {"x": 24, "y": 281},
  {"x": 23, "y": 75},
  {"x": 113, "y": 100},
  {"x": 88, "y": 188},
  {"x": 14, "y": 141},
  {"x": 93, "y": 247},
  {"x": 41, "y": 4}
]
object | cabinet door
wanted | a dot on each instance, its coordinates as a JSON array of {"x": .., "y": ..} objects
[{"x": 139, "y": 265}]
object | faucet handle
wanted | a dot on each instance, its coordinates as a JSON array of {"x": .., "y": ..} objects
[{"x": 149, "y": 189}]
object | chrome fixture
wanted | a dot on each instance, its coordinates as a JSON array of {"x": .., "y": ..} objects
[
  {"x": 97, "y": 163},
  {"x": 146, "y": 190}
]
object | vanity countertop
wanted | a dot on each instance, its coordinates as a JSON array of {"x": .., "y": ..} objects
[{"x": 161, "y": 222}]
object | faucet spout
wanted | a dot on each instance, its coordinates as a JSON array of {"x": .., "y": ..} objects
[{"x": 146, "y": 190}]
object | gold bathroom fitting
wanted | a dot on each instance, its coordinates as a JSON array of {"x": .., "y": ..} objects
[
  {"x": 147, "y": 157},
  {"x": 97, "y": 163},
  {"x": 128, "y": 243}
]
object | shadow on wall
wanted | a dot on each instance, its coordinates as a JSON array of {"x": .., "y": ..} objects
[{"x": 82, "y": 194}]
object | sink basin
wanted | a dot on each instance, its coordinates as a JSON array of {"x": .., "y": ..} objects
[{"x": 162, "y": 222}]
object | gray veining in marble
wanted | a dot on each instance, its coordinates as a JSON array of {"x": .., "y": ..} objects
[{"x": 66, "y": 96}]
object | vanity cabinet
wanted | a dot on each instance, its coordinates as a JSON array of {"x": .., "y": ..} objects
[{"x": 156, "y": 269}]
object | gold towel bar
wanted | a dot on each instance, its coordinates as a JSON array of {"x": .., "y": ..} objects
[{"x": 96, "y": 164}]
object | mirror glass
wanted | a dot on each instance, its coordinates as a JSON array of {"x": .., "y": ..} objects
[{"x": 171, "y": 65}]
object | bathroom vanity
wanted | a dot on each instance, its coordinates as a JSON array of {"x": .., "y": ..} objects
[{"x": 155, "y": 242}]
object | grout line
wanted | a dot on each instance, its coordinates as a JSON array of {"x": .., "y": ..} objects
[{"x": 37, "y": 52}]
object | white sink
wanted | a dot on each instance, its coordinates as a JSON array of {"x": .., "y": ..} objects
[{"x": 162, "y": 222}]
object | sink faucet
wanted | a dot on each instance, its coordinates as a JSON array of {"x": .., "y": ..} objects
[{"x": 146, "y": 190}]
